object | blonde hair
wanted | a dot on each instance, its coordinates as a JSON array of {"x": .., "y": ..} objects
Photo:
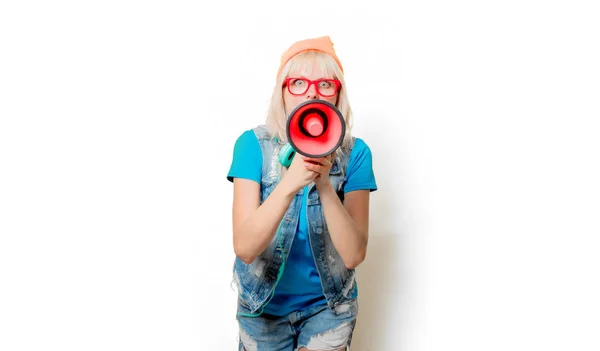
[{"x": 277, "y": 115}]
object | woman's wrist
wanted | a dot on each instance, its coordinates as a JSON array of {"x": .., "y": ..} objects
[
  {"x": 286, "y": 189},
  {"x": 325, "y": 190}
]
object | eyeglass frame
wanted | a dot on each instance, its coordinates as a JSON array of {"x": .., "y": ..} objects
[{"x": 337, "y": 83}]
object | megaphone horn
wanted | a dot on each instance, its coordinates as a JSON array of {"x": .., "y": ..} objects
[{"x": 315, "y": 128}]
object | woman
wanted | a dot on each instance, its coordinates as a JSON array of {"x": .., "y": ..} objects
[{"x": 300, "y": 231}]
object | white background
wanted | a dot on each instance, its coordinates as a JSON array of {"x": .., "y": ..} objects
[{"x": 117, "y": 125}]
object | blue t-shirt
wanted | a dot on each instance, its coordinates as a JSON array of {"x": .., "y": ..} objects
[{"x": 300, "y": 285}]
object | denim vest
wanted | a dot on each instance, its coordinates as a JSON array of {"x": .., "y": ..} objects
[{"x": 256, "y": 281}]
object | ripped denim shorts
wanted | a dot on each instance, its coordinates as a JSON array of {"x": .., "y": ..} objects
[{"x": 316, "y": 328}]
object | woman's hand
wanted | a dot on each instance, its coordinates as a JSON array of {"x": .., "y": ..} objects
[
  {"x": 298, "y": 175},
  {"x": 321, "y": 166}
]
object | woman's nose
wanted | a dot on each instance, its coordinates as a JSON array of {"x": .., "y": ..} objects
[{"x": 311, "y": 93}]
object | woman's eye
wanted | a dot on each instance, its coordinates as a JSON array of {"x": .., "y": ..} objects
[
  {"x": 298, "y": 82},
  {"x": 325, "y": 84}
]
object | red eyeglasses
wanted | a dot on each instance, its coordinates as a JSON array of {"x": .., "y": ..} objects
[{"x": 325, "y": 87}]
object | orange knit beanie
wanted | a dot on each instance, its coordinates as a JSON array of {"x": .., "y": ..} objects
[{"x": 323, "y": 44}]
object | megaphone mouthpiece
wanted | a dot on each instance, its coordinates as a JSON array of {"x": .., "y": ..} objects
[{"x": 314, "y": 125}]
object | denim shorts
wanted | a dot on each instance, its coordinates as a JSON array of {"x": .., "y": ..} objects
[{"x": 316, "y": 328}]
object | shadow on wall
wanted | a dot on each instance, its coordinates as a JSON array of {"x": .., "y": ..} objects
[{"x": 381, "y": 295}]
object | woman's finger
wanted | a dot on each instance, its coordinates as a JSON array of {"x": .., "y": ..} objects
[
  {"x": 323, "y": 161},
  {"x": 313, "y": 167}
]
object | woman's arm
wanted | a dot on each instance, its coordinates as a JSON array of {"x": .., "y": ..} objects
[
  {"x": 254, "y": 225},
  {"x": 348, "y": 223}
]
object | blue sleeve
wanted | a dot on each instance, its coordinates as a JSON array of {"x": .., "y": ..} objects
[
  {"x": 247, "y": 158},
  {"x": 360, "y": 175}
]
